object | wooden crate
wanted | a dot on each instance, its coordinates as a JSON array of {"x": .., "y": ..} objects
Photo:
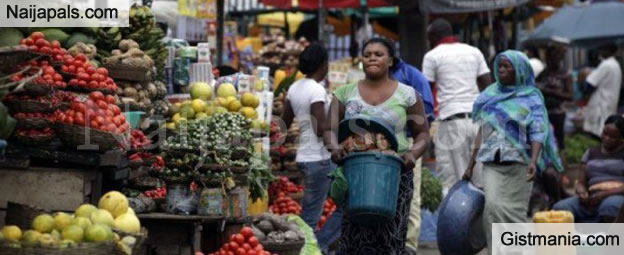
[{"x": 55, "y": 189}]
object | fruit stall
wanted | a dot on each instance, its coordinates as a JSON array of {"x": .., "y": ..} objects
[{"x": 123, "y": 141}]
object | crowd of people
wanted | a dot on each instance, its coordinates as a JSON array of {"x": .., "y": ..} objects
[{"x": 502, "y": 134}]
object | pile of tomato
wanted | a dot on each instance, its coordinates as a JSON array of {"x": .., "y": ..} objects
[
  {"x": 284, "y": 205},
  {"x": 37, "y": 43},
  {"x": 243, "y": 243},
  {"x": 328, "y": 208},
  {"x": 87, "y": 76},
  {"x": 282, "y": 184},
  {"x": 160, "y": 192},
  {"x": 97, "y": 112}
]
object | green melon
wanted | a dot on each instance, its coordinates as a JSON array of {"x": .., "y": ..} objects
[
  {"x": 78, "y": 37},
  {"x": 10, "y": 36},
  {"x": 55, "y": 34}
]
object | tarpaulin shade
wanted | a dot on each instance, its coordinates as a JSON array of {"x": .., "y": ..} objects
[
  {"x": 585, "y": 26},
  {"x": 314, "y": 4},
  {"x": 459, "y": 6}
]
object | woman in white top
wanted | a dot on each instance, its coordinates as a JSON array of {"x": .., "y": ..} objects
[{"x": 306, "y": 103}]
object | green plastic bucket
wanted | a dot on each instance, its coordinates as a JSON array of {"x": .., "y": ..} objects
[
  {"x": 133, "y": 118},
  {"x": 373, "y": 179}
]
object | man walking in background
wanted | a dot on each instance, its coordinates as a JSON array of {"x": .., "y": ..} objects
[{"x": 459, "y": 72}]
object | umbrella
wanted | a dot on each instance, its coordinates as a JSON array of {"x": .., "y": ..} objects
[
  {"x": 584, "y": 26},
  {"x": 315, "y": 4},
  {"x": 463, "y": 6}
]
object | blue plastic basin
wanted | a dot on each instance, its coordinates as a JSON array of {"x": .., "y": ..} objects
[
  {"x": 460, "y": 227},
  {"x": 373, "y": 180}
]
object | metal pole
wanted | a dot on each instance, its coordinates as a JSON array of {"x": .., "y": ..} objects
[{"x": 220, "y": 28}]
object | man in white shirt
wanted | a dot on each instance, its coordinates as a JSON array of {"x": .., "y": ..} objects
[
  {"x": 602, "y": 87},
  {"x": 459, "y": 72}
]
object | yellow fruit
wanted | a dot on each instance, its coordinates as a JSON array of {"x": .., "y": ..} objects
[
  {"x": 12, "y": 233},
  {"x": 1, "y": 236},
  {"x": 99, "y": 233},
  {"x": 226, "y": 90},
  {"x": 221, "y": 110},
  {"x": 85, "y": 210},
  {"x": 221, "y": 101},
  {"x": 171, "y": 125},
  {"x": 131, "y": 211},
  {"x": 250, "y": 100},
  {"x": 116, "y": 237},
  {"x": 83, "y": 222},
  {"x": 187, "y": 112},
  {"x": 259, "y": 85},
  {"x": 198, "y": 105},
  {"x": 299, "y": 76},
  {"x": 176, "y": 117},
  {"x": 31, "y": 237},
  {"x": 178, "y": 104},
  {"x": 74, "y": 233},
  {"x": 56, "y": 235},
  {"x": 210, "y": 110},
  {"x": 102, "y": 217},
  {"x": 234, "y": 106},
  {"x": 43, "y": 223},
  {"x": 114, "y": 202},
  {"x": 249, "y": 113},
  {"x": 264, "y": 125},
  {"x": 46, "y": 240},
  {"x": 255, "y": 124},
  {"x": 128, "y": 223},
  {"x": 201, "y": 115},
  {"x": 201, "y": 90},
  {"x": 62, "y": 220}
]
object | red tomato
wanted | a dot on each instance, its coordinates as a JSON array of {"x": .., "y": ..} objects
[
  {"x": 241, "y": 251},
  {"x": 45, "y": 49},
  {"x": 65, "y": 69},
  {"x": 55, "y": 44},
  {"x": 110, "y": 99},
  {"x": 71, "y": 69},
  {"x": 110, "y": 113},
  {"x": 47, "y": 77},
  {"x": 28, "y": 41},
  {"x": 83, "y": 76},
  {"x": 117, "y": 121},
  {"x": 93, "y": 84},
  {"x": 94, "y": 124},
  {"x": 33, "y": 48},
  {"x": 96, "y": 96},
  {"x": 36, "y": 35},
  {"x": 246, "y": 246},
  {"x": 253, "y": 241},
  {"x": 69, "y": 119},
  {"x": 246, "y": 232},
  {"x": 234, "y": 246},
  {"x": 240, "y": 239},
  {"x": 230, "y": 253},
  {"x": 100, "y": 120},
  {"x": 58, "y": 77},
  {"x": 90, "y": 70},
  {"x": 82, "y": 83},
  {"x": 252, "y": 252},
  {"x": 79, "y": 69},
  {"x": 111, "y": 127},
  {"x": 103, "y": 71},
  {"x": 259, "y": 248},
  {"x": 115, "y": 109},
  {"x": 80, "y": 121},
  {"x": 81, "y": 57},
  {"x": 100, "y": 112},
  {"x": 42, "y": 43}
]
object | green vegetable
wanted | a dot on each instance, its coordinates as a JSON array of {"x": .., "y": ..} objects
[
  {"x": 53, "y": 34},
  {"x": 576, "y": 146},
  {"x": 10, "y": 36},
  {"x": 78, "y": 37},
  {"x": 430, "y": 191}
]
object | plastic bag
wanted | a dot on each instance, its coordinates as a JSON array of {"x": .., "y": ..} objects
[
  {"x": 311, "y": 245},
  {"x": 339, "y": 186},
  {"x": 188, "y": 205}
]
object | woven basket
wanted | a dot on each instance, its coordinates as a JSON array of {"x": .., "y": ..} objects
[
  {"x": 79, "y": 89},
  {"x": 30, "y": 106},
  {"x": 105, "y": 248},
  {"x": 126, "y": 72},
  {"x": 22, "y": 215},
  {"x": 33, "y": 123},
  {"x": 74, "y": 136},
  {"x": 34, "y": 140},
  {"x": 13, "y": 56},
  {"x": 38, "y": 89},
  {"x": 286, "y": 248}
]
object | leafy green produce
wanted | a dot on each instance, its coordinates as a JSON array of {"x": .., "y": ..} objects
[
  {"x": 576, "y": 146},
  {"x": 259, "y": 177},
  {"x": 430, "y": 191}
]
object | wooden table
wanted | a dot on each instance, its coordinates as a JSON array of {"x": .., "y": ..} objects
[{"x": 187, "y": 234}]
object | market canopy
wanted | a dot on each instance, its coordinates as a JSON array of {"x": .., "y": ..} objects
[
  {"x": 461, "y": 6},
  {"x": 584, "y": 26},
  {"x": 315, "y": 4}
]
